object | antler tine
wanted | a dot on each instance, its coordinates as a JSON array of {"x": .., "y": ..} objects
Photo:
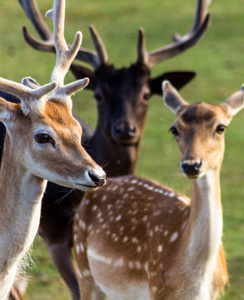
[
  {"x": 33, "y": 13},
  {"x": 201, "y": 24},
  {"x": 164, "y": 53},
  {"x": 36, "y": 44},
  {"x": 201, "y": 12},
  {"x": 25, "y": 93},
  {"x": 141, "y": 47},
  {"x": 85, "y": 55},
  {"x": 102, "y": 56},
  {"x": 36, "y": 19},
  {"x": 65, "y": 56}
]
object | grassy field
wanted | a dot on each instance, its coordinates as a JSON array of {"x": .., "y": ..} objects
[{"x": 218, "y": 60}]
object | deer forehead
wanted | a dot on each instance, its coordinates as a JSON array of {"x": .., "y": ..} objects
[
  {"x": 123, "y": 79},
  {"x": 58, "y": 115},
  {"x": 203, "y": 115}
]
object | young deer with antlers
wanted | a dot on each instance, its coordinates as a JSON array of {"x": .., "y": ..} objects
[
  {"x": 42, "y": 141},
  {"x": 137, "y": 239},
  {"x": 122, "y": 101}
]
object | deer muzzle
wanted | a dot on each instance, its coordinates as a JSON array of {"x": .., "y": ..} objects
[{"x": 191, "y": 168}]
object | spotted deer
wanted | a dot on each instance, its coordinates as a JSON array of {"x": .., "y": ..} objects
[
  {"x": 122, "y": 97},
  {"x": 137, "y": 239},
  {"x": 42, "y": 143}
]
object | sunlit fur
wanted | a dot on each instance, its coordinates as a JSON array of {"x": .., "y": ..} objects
[{"x": 136, "y": 235}]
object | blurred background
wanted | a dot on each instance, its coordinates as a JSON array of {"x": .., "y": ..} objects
[{"x": 218, "y": 60}]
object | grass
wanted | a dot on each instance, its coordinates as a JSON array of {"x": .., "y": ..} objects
[{"x": 218, "y": 60}]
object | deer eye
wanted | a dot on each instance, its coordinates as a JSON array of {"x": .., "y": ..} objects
[
  {"x": 43, "y": 138},
  {"x": 98, "y": 97},
  {"x": 174, "y": 131},
  {"x": 220, "y": 129},
  {"x": 146, "y": 96}
]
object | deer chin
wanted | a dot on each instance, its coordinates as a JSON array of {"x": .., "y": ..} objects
[
  {"x": 85, "y": 187},
  {"x": 195, "y": 176}
]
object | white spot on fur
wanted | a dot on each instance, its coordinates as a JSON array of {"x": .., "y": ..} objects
[
  {"x": 82, "y": 247},
  {"x": 144, "y": 219},
  {"x": 173, "y": 237},
  {"x": 82, "y": 224},
  {"x": 135, "y": 240},
  {"x": 118, "y": 218},
  {"x": 119, "y": 263},
  {"x": 160, "y": 248},
  {"x": 166, "y": 232},
  {"x": 125, "y": 239},
  {"x": 184, "y": 200},
  {"x": 138, "y": 265},
  {"x": 130, "y": 189}
]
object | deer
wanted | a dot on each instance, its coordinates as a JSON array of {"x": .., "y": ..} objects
[
  {"x": 42, "y": 143},
  {"x": 138, "y": 239},
  {"x": 122, "y": 96},
  {"x": 120, "y": 91}
]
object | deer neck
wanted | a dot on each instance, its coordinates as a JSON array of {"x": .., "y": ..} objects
[
  {"x": 20, "y": 203},
  {"x": 116, "y": 158},
  {"x": 205, "y": 228}
]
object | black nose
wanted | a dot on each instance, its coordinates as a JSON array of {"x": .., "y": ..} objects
[
  {"x": 98, "y": 180},
  {"x": 125, "y": 131},
  {"x": 191, "y": 168}
]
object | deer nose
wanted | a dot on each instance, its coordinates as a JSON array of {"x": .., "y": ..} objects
[
  {"x": 125, "y": 131},
  {"x": 191, "y": 167},
  {"x": 98, "y": 179}
]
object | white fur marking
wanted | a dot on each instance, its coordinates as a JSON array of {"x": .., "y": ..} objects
[{"x": 173, "y": 237}]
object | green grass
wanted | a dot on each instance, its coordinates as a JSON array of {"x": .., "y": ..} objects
[{"x": 218, "y": 60}]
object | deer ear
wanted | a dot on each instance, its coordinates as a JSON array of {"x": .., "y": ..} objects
[
  {"x": 178, "y": 79},
  {"x": 80, "y": 72},
  {"x": 236, "y": 101},
  {"x": 30, "y": 83},
  {"x": 7, "y": 110},
  {"x": 172, "y": 98}
]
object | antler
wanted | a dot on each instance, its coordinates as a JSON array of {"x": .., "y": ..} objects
[
  {"x": 201, "y": 23},
  {"x": 65, "y": 56},
  {"x": 37, "y": 21},
  {"x": 201, "y": 12},
  {"x": 27, "y": 95}
]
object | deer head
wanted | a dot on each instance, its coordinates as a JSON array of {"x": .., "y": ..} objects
[
  {"x": 47, "y": 111},
  {"x": 199, "y": 130}
]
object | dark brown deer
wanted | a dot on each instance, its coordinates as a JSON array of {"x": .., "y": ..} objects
[
  {"x": 137, "y": 239},
  {"x": 122, "y": 100}
]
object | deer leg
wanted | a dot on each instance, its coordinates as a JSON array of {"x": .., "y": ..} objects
[
  {"x": 63, "y": 260},
  {"x": 89, "y": 291}
]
